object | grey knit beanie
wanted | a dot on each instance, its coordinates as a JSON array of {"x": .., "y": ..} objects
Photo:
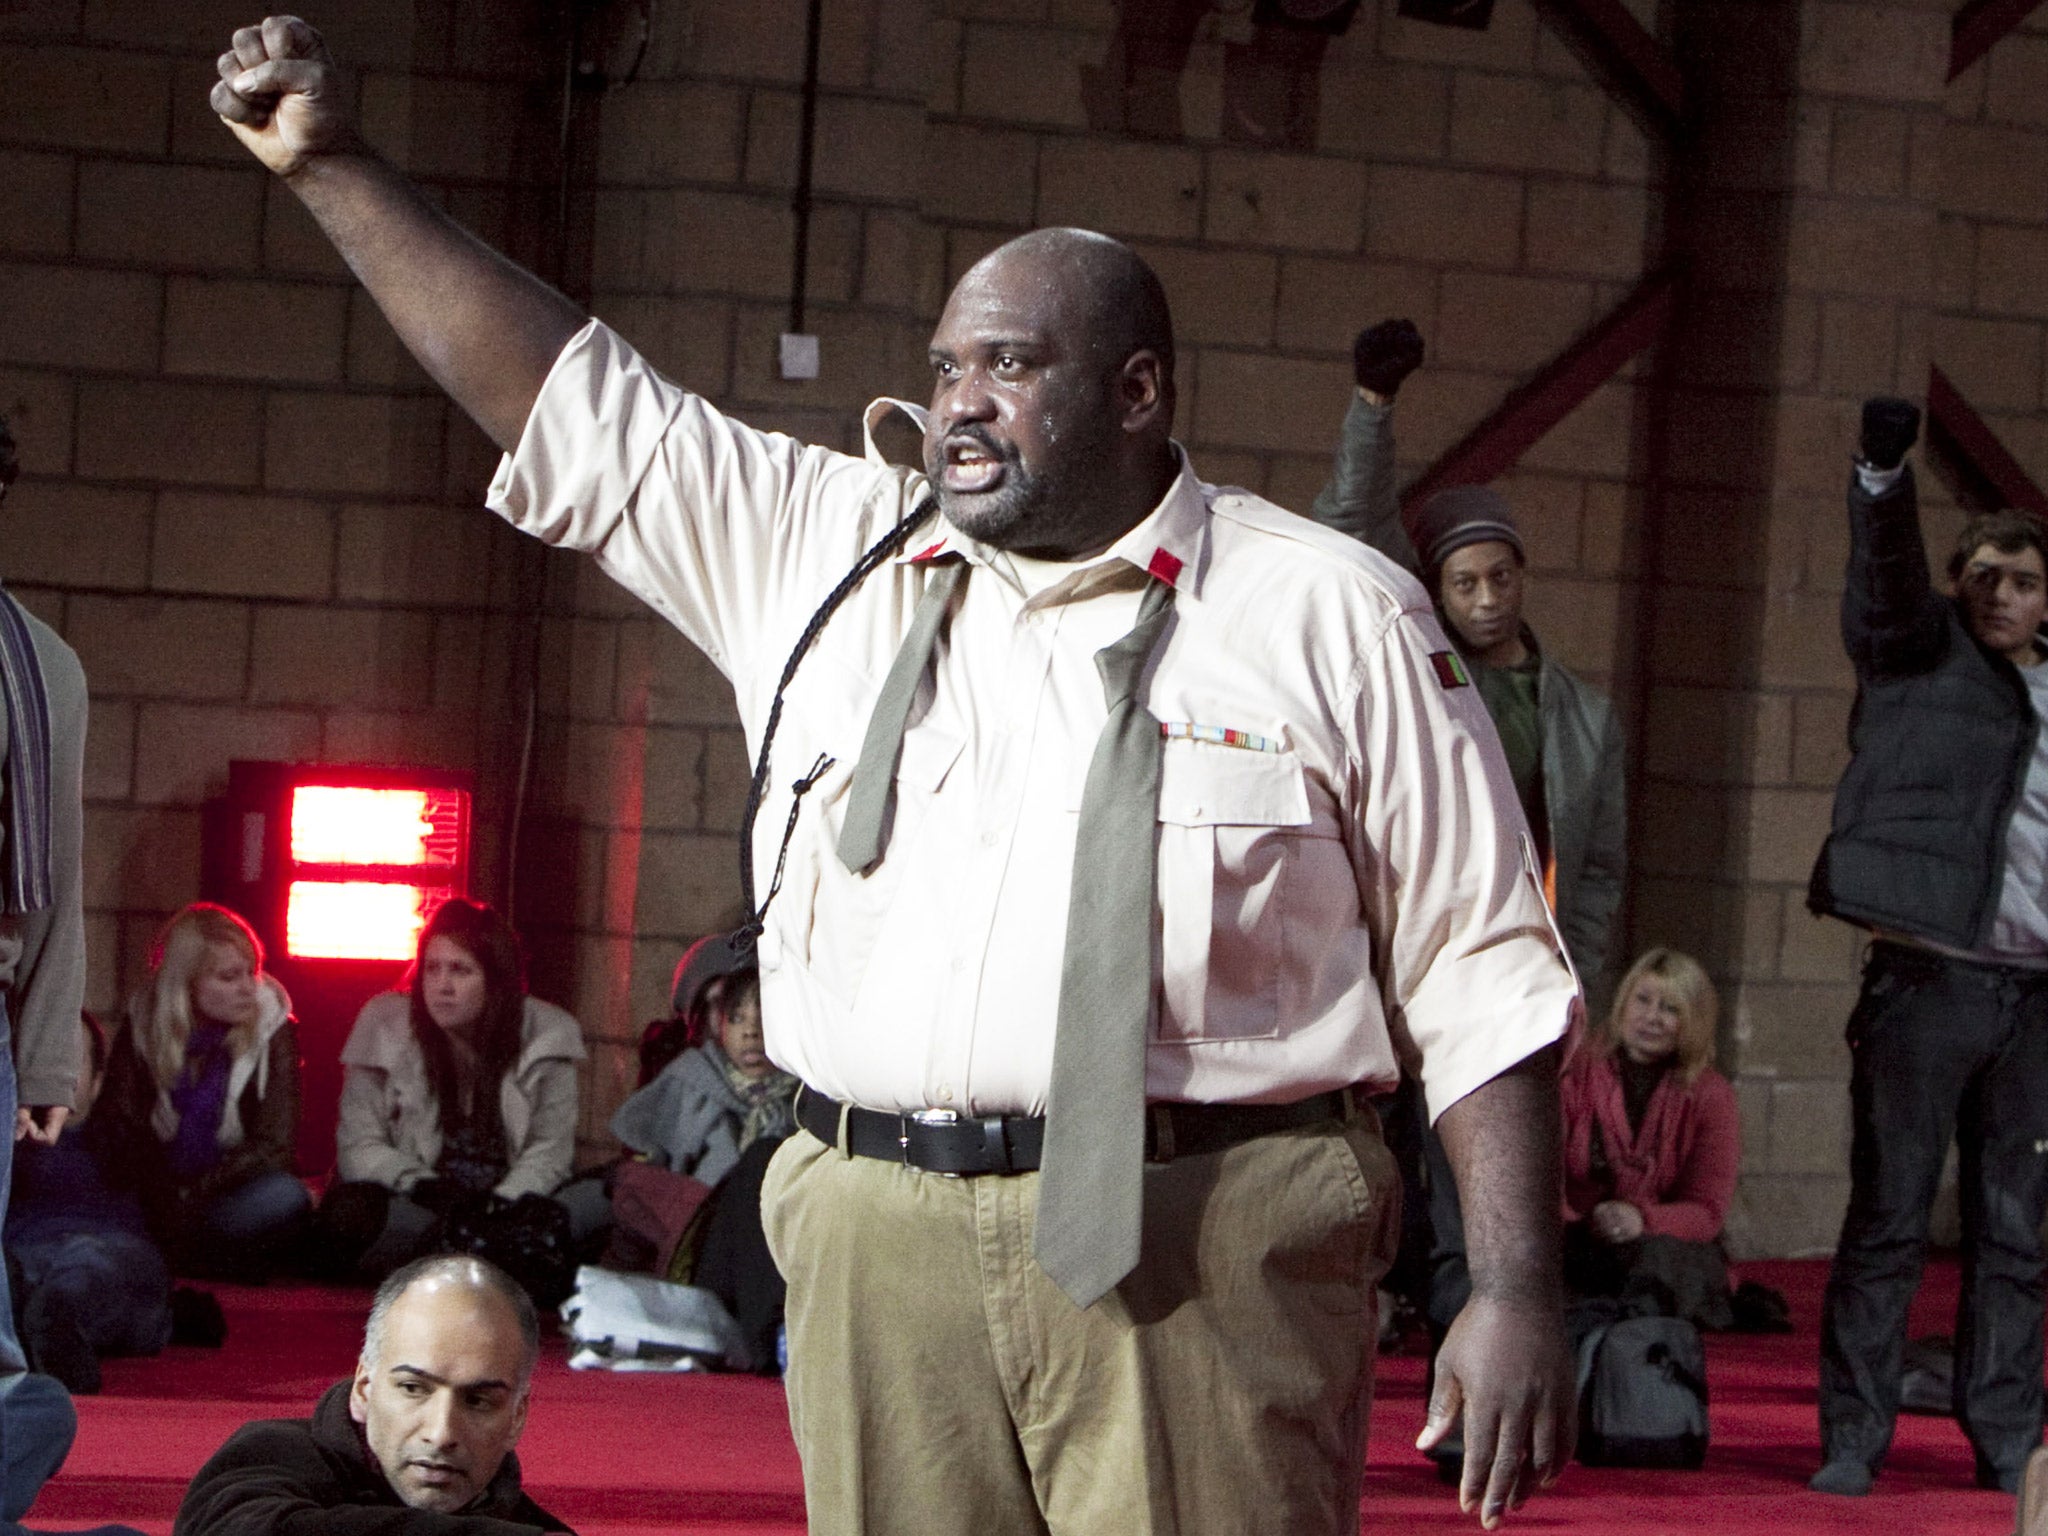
[{"x": 1462, "y": 515}]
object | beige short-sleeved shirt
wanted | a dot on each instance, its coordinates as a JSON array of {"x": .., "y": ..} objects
[{"x": 1350, "y": 882}]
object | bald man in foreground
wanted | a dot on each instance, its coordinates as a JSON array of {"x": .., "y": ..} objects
[
  {"x": 418, "y": 1443},
  {"x": 1114, "y": 828}
]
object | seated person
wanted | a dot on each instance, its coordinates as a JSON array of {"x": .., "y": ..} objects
[
  {"x": 419, "y": 1441},
  {"x": 200, "y": 1112},
  {"x": 721, "y": 1095},
  {"x": 459, "y": 1092},
  {"x": 687, "y": 1022},
  {"x": 716, "y": 1113},
  {"x": 1560, "y": 735},
  {"x": 1651, "y": 1144},
  {"x": 86, "y": 1279}
]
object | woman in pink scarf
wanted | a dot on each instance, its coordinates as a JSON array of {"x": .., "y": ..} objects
[{"x": 1651, "y": 1136}]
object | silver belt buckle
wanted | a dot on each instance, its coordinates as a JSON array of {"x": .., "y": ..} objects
[{"x": 926, "y": 1117}]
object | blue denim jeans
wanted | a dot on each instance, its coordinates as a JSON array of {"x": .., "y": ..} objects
[
  {"x": 114, "y": 1284},
  {"x": 257, "y": 1213},
  {"x": 37, "y": 1420}
]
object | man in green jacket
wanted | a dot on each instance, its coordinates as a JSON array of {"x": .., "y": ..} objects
[{"x": 1563, "y": 743}]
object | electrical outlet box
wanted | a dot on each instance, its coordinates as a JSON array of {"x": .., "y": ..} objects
[{"x": 799, "y": 356}]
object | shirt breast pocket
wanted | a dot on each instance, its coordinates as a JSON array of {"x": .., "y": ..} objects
[
  {"x": 849, "y": 910},
  {"x": 1230, "y": 827}
]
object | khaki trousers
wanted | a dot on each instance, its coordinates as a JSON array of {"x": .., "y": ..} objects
[{"x": 939, "y": 1383}]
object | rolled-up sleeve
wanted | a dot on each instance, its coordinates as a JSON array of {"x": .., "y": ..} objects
[
  {"x": 707, "y": 520},
  {"x": 1471, "y": 968}
]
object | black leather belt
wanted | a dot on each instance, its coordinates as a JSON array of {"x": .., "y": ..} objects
[{"x": 943, "y": 1141}]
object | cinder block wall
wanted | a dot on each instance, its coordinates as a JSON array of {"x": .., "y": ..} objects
[
  {"x": 1992, "y": 262},
  {"x": 259, "y": 525}
]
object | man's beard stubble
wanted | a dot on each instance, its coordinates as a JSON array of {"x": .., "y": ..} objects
[{"x": 1051, "y": 513}]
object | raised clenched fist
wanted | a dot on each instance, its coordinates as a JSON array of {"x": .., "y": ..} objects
[
  {"x": 1890, "y": 427},
  {"x": 280, "y": 92},
  {"x": 1385, "y": 354}
]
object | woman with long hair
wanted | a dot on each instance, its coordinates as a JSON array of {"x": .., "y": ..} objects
[
  {"x": 1652, "y": 1140},
  {"x": 200, "y": 1110},
  {"x": 459, "y": 1095}
]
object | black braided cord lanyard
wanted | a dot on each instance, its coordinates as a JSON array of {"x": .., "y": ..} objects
[{"x": 882, "y": 549}]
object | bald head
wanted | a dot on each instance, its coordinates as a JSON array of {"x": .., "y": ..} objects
[
  {"x": 1052, "y": 397},
  {"x": 457, "y": 1280},
  {"x": 441, "y": 1388},
  {"x": 1102, "y": 288}
]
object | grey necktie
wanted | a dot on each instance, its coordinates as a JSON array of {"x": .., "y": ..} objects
[
  {"x": 1090, "y": 1189},
  {"x": 867, "y": 802},
  {"x": 1092, "y": 1169}
]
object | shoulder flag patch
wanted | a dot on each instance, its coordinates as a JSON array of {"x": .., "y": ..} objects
[{"x": 1450, "y": 669}]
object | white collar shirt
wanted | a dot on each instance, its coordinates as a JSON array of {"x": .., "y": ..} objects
[{"x": 1344, "y": 877}]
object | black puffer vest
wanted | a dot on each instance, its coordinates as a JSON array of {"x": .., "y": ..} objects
[{"x": 1942, "y": 735}]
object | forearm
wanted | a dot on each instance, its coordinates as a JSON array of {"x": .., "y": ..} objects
[
  {"x": 365, "y": 1154},
  {"x": 1695, "y": 1205},
  {"x": 544, "y": 1163},
  {"x": 274, "y": 1135},
  {"x": 1359, "y": 497},
  {"x": 1502, "y": 1141},
  {"x": 1893, "y": 621},
  {"x": 44, "y": 1005},
  {"x": 49, "y": 977},
  {"x": 485, "y": 329}
]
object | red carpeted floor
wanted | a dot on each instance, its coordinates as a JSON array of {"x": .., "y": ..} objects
[{"x": 711, "y": 1456}]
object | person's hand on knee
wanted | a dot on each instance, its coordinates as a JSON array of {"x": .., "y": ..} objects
[{"x": 1616, "y": 1221}]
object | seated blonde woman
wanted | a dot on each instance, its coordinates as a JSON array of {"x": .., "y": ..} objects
[
  {"x": 1651, "y": 1137},
  {"x": 200, "y": 1112}
]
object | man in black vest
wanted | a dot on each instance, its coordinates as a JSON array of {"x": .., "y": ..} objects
[{"x": 1939, "y": 847}]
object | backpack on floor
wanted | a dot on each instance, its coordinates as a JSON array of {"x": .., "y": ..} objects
[{"x": 1643, "y": 1394}]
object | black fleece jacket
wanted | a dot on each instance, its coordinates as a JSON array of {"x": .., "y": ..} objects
[{"x": 316, "y": 1477}]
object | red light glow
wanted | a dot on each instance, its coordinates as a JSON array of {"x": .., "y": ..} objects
[
  {"x": 404, "y": 827},
  {"x": 354, "y": 919}
]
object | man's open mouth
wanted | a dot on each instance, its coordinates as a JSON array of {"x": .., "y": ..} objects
[{"x": 969, "y": 467}]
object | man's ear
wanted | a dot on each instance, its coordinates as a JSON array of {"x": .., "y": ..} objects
[
  {"x": 359, "y": 1393},
  {"x": 1145, "y": 392},
  {"x": 519, "y": 1412}
]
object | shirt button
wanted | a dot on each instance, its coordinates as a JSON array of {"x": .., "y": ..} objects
[
  {"x": 945, "y": 1095},
  {"x": 990, "y": 838}
]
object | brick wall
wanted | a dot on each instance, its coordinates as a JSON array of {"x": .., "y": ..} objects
[
  {"x": 1991, "y": 268},
  {"x": 257, "y": 525}
]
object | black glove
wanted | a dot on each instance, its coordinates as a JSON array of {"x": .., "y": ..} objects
[
  {"x": 1385, "y": 354},
  {"x": 1890, "y": 427}
]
